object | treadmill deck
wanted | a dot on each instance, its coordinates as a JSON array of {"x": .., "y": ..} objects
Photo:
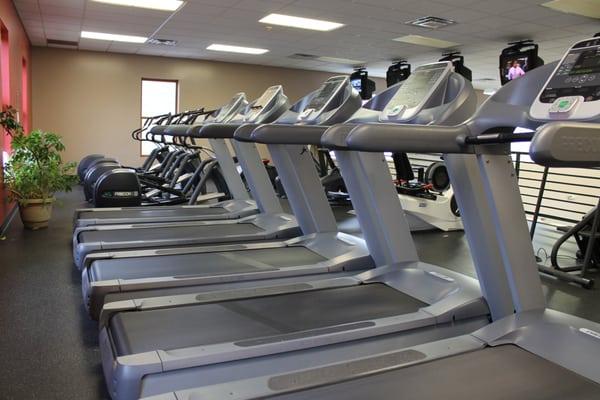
[
  {"x": 248, "y": 319},
  {"x": 154, "y": 212},
  {"x": 204, "y": 264},
  {"x": 171, "y": 232},
  {"x": 494, "y": 373}
]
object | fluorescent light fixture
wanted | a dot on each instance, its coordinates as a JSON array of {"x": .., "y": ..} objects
[
  {"x": 338, "y": 60},
  {"x": 300, "y": 22},
  {"x": 236, "y": 49},
  {"x": 113, "y": 37},
  {"x": 587, "y": 8},
  {"x": 164, "y": 5},
  {"x": 426, "y": 41}
]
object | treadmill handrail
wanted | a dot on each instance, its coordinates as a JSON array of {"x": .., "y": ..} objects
[
  {"x": 217, "y": 131},
  {"x": 335, "y": 137},
  {"x": 376, "y": 137},
  {"x": 244, "y": 132},
  {"x": 176, "y": 130},
  {"x": 289, "y": 134},
  {"x": 567, "y": 144}
]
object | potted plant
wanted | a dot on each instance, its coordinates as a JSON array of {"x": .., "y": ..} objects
[{"x": 34, "y": 171}]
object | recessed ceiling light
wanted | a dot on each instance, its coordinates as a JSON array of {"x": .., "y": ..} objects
[
  {"x": 300, "y": 22},
  {"x": 338, "y": 60},
  {"x": 426, "y": 41},
  {"x": 165, "y": 5},
  {"x": 236, "y": 49},
  {"x": 113, "y": 37},
  {"x": 587, "y": 8}
]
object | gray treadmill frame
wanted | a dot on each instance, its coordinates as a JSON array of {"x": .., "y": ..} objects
[
  {"x": 533, "y": 327},
  {"x": 453, "y": 298}
]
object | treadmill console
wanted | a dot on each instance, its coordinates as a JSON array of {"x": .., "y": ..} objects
[
  {"x": 573, "y": 90},
  {"x": 230, "y": 109},
  {"x": 412, "y": 96},
  {"x": 322, "y": 98},
  {"x": 263, "y": 103}
]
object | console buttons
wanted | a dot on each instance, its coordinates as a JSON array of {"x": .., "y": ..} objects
[
  {"x": 306, "y": 113},
  {"x": 394, "y": 112},
  {"x": 564, "y": 106}
]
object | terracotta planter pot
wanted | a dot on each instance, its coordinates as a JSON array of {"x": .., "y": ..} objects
[{"x": 35, "y": 213}]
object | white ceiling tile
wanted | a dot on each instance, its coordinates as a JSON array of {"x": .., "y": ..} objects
[{"x": 483, "y": 28}]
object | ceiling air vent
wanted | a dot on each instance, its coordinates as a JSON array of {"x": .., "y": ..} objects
[
  {"x": 61, "y": 43},
  {"x": 162, "y": 42},
  {"x": 431, "y": 22}
]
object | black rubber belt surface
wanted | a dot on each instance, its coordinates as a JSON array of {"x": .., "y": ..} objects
[
  {"x": 177, "y": 232},
  {"x": 153, "y": 212},
  {"x": 135, "y": 332},
  {"x": 202, "y": 263},
  {"x": 499, "y": 373}
]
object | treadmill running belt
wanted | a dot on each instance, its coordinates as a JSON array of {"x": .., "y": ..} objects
[
  {"x": 155, "y": 212},
  {"x": 166, "y": 329},
  {"x": 145, "y": 234},
  {"x": 229, "y": 262},
  {"x": 494, "y": 373}
]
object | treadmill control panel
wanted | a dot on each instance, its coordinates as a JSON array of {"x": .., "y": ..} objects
[
  {"x": 322, "y": 98},
  {"x": 263, "y": 103},
  {"x": 230, "y": 109},
  {"x": 415, "y": 91},
  {"x": 573, "y": 90}
]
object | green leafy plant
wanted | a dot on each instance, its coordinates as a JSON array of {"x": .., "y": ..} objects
[{"x": 35, "y": 169}]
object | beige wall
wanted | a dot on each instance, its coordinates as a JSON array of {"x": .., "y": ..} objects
[{"x": 93, "y": 99}]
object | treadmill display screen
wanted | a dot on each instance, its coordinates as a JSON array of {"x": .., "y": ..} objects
[
  {"x": 416, "y": 86},
  {"x": 262, "y": 102},
  {"x": 578, "y": 75},
  {"x": 324, "y": 94},
  {"x": 226, "y": 109},
  {"x": 266, "y": 97}
]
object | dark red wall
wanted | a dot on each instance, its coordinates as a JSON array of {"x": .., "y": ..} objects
[{"x": 15, "y": 79}]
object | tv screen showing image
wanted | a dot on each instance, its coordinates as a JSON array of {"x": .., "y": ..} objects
[{"x": 515, "y": 68}]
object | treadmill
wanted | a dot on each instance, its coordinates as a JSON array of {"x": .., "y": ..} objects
[
  {"x": 153, "y": 345},
  {"x": 240, "y": 206},
  {"x": 534, "y": 353},
  {"x": 270, "y": 225},
  {"x": 322, "y": 249}
]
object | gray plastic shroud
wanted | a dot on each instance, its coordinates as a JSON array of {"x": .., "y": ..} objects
[{"x": 567, "y": 144}]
